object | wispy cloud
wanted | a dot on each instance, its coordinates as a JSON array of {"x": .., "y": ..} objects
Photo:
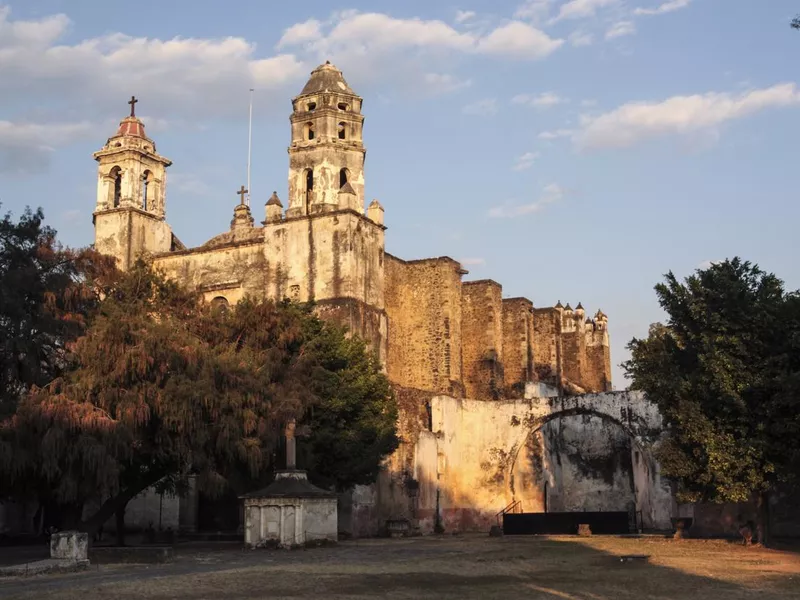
[
  {"x": 525, "y": 162},
  {"x": 533, "y": 10},
  {"x": 442, "y": 83},
  {"x": 550, "y": 194},
  {"x": 620, "y": 29},
  {"x": 666, "y": 7},
  {"x": 487, "y": 106},
  {"x": 543, "y": 100},
  {"x": 581, "y": 9},
  {"x": 556, "y": 134},
  {"x": 638, "y": 121},
  {"x": 581, "y": 38},
  {"x": 27, "y": 148},
  {"x": 464, "y": 15}
]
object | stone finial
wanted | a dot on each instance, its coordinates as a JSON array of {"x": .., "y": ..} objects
[
  {"x": 568, "y": 308},
  {"x": 347, "y": 198},
  {"x": 274, "y": 209},
  {"x": 559, "y": 306},
  {"x": 375, "y": 212}
]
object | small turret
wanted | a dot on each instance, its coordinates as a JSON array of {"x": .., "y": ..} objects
[
  {"x": 580, "y": 313},
  {"x": 348, "y": 198},
  {"x": 601, "y": 320},
  {"x": 274, "y": 209},
  {"x": 375, "y": 212}
]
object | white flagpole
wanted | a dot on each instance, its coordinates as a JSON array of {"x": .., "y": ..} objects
[{"x": 249, "y": 146}]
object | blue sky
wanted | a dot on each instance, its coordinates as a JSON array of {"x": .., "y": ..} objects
[{"x": 572, "y": 150}]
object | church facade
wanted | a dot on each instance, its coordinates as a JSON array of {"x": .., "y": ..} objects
[{"x": 444, "y": 341}]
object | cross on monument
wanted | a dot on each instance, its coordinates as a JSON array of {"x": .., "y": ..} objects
[
  {"x": 242, "y": 191},
  {"x": 133, "y": 102}
]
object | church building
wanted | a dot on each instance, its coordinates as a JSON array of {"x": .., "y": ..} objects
[{"x": 437, "y": 334}]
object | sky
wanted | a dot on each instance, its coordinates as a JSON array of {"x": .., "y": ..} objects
[{"x": 572, "y": 150}]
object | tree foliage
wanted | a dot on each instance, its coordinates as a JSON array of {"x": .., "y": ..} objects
[
  {"x": 46, "y": 293},
  {"x": 725, "y": 373},
  {"x": 161, "y": 386}
]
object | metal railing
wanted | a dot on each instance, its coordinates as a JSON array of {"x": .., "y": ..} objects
[{"x": 514, "y": 507}]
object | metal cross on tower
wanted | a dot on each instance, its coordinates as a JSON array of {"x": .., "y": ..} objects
[
  {"x": 133, "y": 102},
  {"x": 242, "y": 192}
]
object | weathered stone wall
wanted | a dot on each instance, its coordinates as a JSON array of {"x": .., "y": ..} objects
[
  {"x": 125, "y": 234},
  {"x": 573, "y": 344},
  {"x": 423, "y": 305},
  {"x": 517, "y": 344},
  {"x": 482, "y": 339},
  {"x": 547, "y": 345},
  {"x": 597, "y": 366}
]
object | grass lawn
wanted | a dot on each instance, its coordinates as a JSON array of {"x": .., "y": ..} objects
[{"x": 444, "y": 567}]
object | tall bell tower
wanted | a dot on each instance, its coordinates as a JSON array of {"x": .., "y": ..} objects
[
  {"x": 326, "y": 156},
  {"x": 130, "y": 215}
]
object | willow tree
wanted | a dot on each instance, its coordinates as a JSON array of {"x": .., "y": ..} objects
[{"x": 162, "y": 386}]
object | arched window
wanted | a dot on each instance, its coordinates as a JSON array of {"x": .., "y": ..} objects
[
  {"x": 116, "y": 192},
  {"x": 221, "y": 304},
  {"x": 344, "y": 106},
  {"x": 342, "y": 130},
  {"x": 309, "y": 131},
  {"x": 309, "y": 188},
  {"x": 344, "y": 177},
  {"x": 147, "y": 177},
  {"x": 311, "y": 106}
]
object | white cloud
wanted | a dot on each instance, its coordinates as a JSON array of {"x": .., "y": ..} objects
[
  {"x": 581, "y": 38},
  {"x": 543, "y": 100},
  {"x": 550, "y": 194},
  {"x": 666, "y": 7},
  {"x": 26, "y": 148},
  {"x": 472, "y": 262},
  {"x": 442, "y": 83},
  {"x": 580, "y": 9},
  {"x": 519, "y": 40},
  {"x": 183, "y": 76},
  {"x": 620, "y": 29},
  {"x": 588, "y": 103},
  {"x": 533, "y": 10},
  {"x": 300, "y": 33},
  {"x": 525, "y": 162},
  {"x": 463, "y": 16},
  {"x": 637, "y": 121},
  {"x": 556, "y": 134},
  {"x": 487, "y": 106}
]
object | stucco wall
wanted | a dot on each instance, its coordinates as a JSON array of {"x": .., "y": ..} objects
[
  {"x": 477, "y": 457},
  {"x": 125, "y": 234}
]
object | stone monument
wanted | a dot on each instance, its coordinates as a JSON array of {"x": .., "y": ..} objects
[{"x": 291, "y": 511}]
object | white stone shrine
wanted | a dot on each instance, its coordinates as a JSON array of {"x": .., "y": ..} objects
[{"x": 291, "y": 511}]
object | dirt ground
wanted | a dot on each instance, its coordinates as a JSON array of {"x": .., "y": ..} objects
[{"x": 442, "y": 567}]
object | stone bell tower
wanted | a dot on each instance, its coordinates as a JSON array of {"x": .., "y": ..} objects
[
  {"x": 326, "y": 156},
  {"x": 129, "y": 217}
]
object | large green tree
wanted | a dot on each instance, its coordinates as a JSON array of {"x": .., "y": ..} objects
[
  {"x": 725, "y": 372},
  {"x": 162, "y": 386}
]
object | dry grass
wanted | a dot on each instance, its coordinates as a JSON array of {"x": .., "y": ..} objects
[{"x": 447, "y": 567}]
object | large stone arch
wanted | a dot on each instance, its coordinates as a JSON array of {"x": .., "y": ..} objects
[{"x": 634, "y": 415}]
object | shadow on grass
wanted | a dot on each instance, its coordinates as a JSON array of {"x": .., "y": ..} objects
[{"x": 446, "y": 567}]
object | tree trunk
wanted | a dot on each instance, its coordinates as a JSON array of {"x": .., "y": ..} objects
[
  {"x": 763, "y": 519},
  {"x": 120, "y": 518},
  {"x": 113, "y": 504}
]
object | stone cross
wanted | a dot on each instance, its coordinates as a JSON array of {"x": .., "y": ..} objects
[
  {"x": 133, "y": 102},
  {"x": 242, "y": 191},
  {"x": 291, "y": 448}
]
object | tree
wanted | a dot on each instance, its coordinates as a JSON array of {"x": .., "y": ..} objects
[
  {"x": 796, "y": 23},
  {"x": 725, "y": 373},
  {"x": 46, "y": 293},
  {"x": 162, "y": 386}
]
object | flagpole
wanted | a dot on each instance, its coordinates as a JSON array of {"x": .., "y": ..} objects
[{"x": 249, "y": 146}]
